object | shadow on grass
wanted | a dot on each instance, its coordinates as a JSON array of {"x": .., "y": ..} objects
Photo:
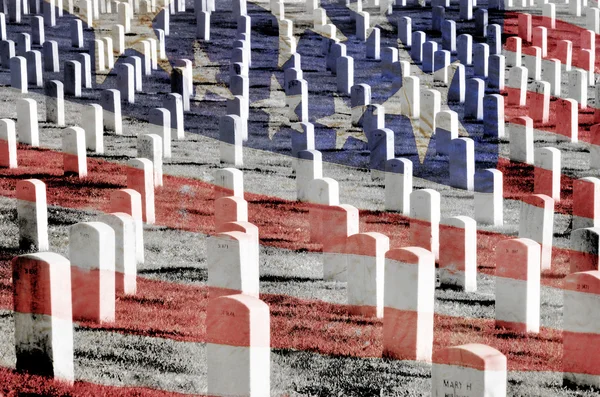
[
  {"x": 284, "y": 279},
  {"x": 180, "y": 272},
  {"x": 487, "y": 303}
]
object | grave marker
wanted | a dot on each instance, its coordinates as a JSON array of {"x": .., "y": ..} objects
[
  {"x": 366, "y": 262},
  {"x": 518, "y": 285},
  {"x": 409, "y": 304},
  {"x": 238, "y": 339},
  {"x": 458, "y": 253},
  {"x": 41, "y": 285},
  {"x": 537, "y": 222},
  {"x": 92, "y": 256}
]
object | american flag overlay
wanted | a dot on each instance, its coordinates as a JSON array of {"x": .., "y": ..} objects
[{"x": 299, "y": 198}]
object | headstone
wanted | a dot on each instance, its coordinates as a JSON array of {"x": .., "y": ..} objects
[
  {"x": 230, "y": 209},
  {"x": 466, "y": 10},
  {"x": 238, "y": 345},
  {"x": 232, "y": 265},
  {"x": 174, "y": 104},
  {"x": 323, "y": 192},
  {"x": 398, "y": 185},
  {"x": 462, "y": 163},
  {"x": 446, "y": 129},
  {"x": 493, "y": 116},
  {"x": 160, "y": 124},
  {"x": 308, "y": 169},
  {"x": 489, "y": 198},
  {"x": 366, "y": 263},
  {"x": 429, "y": 48},
  {"x": 472, "y": 370},
  {"x": 381, "y": 146},
  {"x": 409, "y": 304},
  {"x": 94, "y": 128},
  {"x": 481, "y": 22},
  {"x": 8, "y": 144},
  {"x": 521, "y": 139},
  {"x": 441, "y": 63},
  {"x": 43, "y": 317},
  {"x": 539, "y": 100},
  {"x": 374, "y": 45},
  {"x": 533, "y": 63},
  {"x": 140, "y": 177},
  {"x": 581, "y": 329},
  {"x": 27, "y": 122},
  {"x": 73, "y": 78},
  {"x": 474, "y": 99},
  {"x": 547, "y": 172},
  {"x": 416, "y": 49},
  {"x": 92, "y": 256},
  {"x": 297, "y": 101},
  {"x": 129, "y": 201},
  {"x": 55, "y": 102},
  {"x": 513, "y": 57},
  {"x": 86, "y": 69},
  {"x": 496, "y": 72},
  {"x": 524, "y": 27},
  {"x": 564, "y": 52},
  {"x": 7, "y": 52},
  {"x": 458, "y": 253},
  {"x": 126, "y": 82},
  {"x": 18, "y": 74},
  {"x": 425, "y": 220},
  {"x": 23, "y": 44},
  {"x": 230, "y": 136},
  {"x": 405, "y": 31},
  {"x": 74, "y": 154},
  {"x": 536, "y": 223},
  {"x": 342, "y": 222},
  {"x": 136, "y": 61},
  {"x": 345, "y": 74},
  {"x": 360, "y": 97},
  {"x": 449, "y": 35},
  {"x": 464, "y": 48},
  {"x": 430, "y": 103},
  {"x": 517, "y": 77},
  {"x": 549, "y": 15},
  {"x": 586, "y": 203},
  {"x": 150, "y": 146},
  {"x": 584, "y": 249},
  {"x": 577, "y": 80},
  {"x": 518, "y": 285},
  {"x": 110, "y": 100},
  {"x": 229, "y": 182},
  {"x": 540, "y": 39},
  {"x": 34, "y": 68}
]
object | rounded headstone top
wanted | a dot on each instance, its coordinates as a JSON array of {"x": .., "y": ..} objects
[
  {"x": 473, "y": 355},
  {"x": 411, "y": 255},
  {"x": 538, "y": 200},
  {"x": 238, "y": 320},
  {"x": 588, "y": 282},
  {"x": 28, "y": 189},
  {"x": 368, "y": 244}
]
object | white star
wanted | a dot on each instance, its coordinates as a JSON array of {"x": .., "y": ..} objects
[
  {"x": 341, "y": 122},
  {"x": 205, "y": 73},
  {"x": 141, "y": 29},
  {"x": 278, "y": 114}
]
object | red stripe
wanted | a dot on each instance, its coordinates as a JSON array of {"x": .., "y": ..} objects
[
  {"x": 14, "y": 384},
  {"x": 178, "y": 312}
]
